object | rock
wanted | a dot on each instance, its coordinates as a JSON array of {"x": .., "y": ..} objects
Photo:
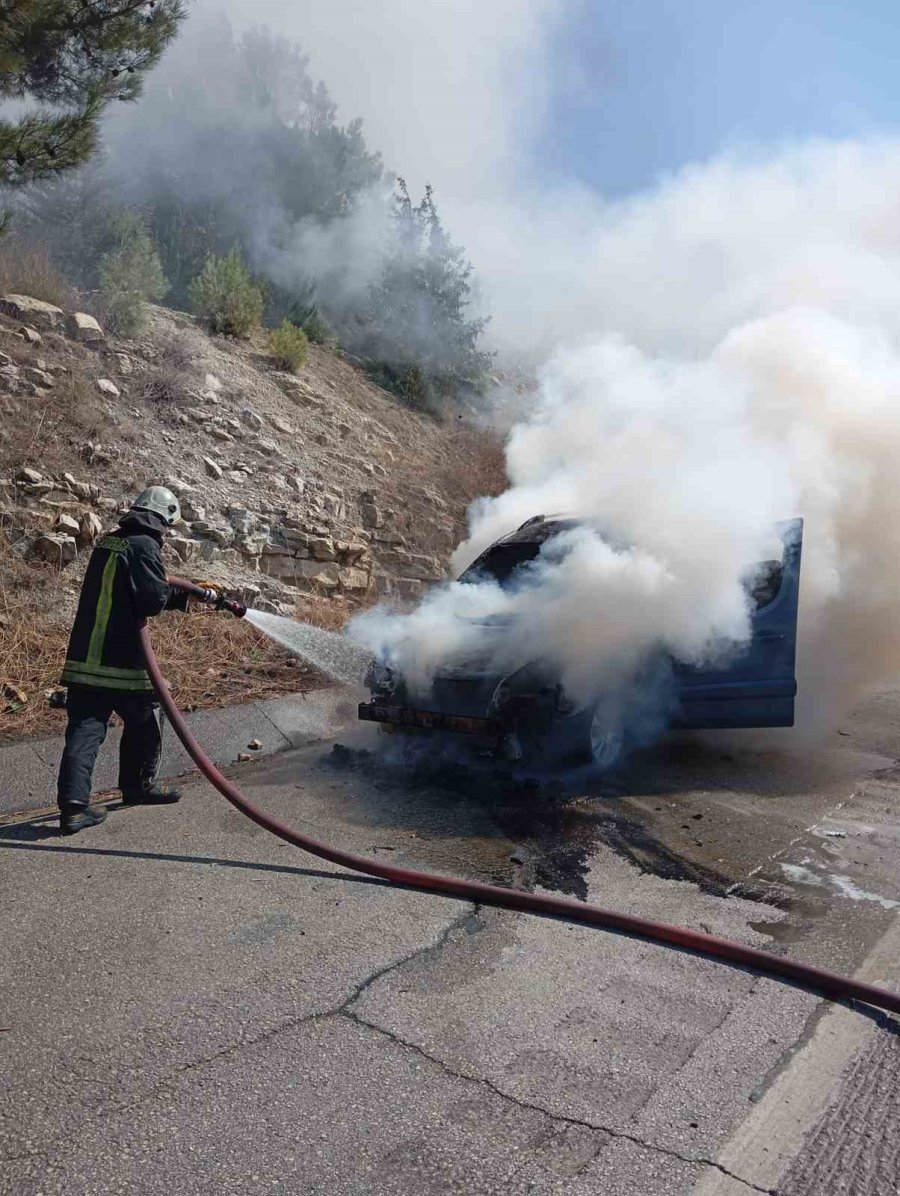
[
  {"x": 321, "y": 548},
  {"x": 124, "y": 363},
  {"x": 183, "y": 548},
  {"x": 214, "y": 470},
  {"x": 243, "y": 757},
  {"x": 68, "y": 525},
  {"x": 5, "y": 359},
  {"x": 344, "y": 430},
  {"x": 90, "y": 529},
  {"x": 177, "y": 485},
  {"x": 237, "y": 475},
  {"x": 221, "y": 536},
  {"x": 251, "y": 419},
  {"x": 323, "y": 572},
  {"x": 269, "y": 447},
  {"x": 354, "y": 552},
  {"x": 211, "y": 382},
  {"x": 254, "y": 745},
  {"x": 56, "y": 547},
  {"x": 32, "y": 336},
  {"x": 334, "y": 505},
  {"x": 280, "y": 425},
  {"x": 371, "y": 515},
  {"x": 30, "y": 476},
  {"x": 82, "y": 489},
  {"x": 108, "y": 388},
  {"x": 191, "y": 511},
  {"x": 221, "y": 434},
  {"x": 296, "y": 484},
  {"x": 39, "y": 377},
  {"x": 31, "y": 311},
  {"x": 242, "y": 520},
  {"x": 82, "y": 327},
  {"x": 355, "y": 580}
]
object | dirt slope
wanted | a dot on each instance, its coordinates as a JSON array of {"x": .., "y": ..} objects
[{"x": 318, "y": 489}]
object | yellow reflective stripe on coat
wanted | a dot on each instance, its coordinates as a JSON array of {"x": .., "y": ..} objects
[
  {"x": 106, "y": 670},
  {"x": 102, "y": 681},
  {"x": 104, "y": 607}
]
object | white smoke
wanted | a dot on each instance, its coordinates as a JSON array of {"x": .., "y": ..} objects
[
  {"x": 723, "y": 353},
  {"x": 744, "y": 368}
]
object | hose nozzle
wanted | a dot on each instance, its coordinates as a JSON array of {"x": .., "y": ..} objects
[{"x": 231, "y": 605}]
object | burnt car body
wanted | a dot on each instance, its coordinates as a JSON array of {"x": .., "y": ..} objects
[{"x": 527, "y": 713}]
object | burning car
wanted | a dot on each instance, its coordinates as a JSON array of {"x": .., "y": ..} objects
[{"x": 527, "y": 713}]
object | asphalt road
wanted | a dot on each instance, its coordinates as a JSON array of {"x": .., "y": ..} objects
[{"x": 188, "y": 1005}]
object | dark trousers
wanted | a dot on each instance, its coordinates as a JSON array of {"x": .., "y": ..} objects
[{"x": 89, "y": 713}]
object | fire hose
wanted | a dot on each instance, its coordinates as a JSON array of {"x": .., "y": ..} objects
[{"x": 829, "y": 984}]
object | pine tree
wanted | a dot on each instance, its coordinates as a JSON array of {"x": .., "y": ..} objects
[
  {"x": 419, "y": 335},
  {"x": 71, "y": 57}
]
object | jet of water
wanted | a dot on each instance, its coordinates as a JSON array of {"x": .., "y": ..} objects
[{"x": 328, "y": 651}]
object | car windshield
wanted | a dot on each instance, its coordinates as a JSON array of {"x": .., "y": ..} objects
[{"x": 502, "y": 561}]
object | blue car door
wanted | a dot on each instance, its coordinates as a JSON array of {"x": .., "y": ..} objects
[{"x": 757, "y": 687}]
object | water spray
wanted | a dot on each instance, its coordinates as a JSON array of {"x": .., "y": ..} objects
[{"x": 829, "y": 984}]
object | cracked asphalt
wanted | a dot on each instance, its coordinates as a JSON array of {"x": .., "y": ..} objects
[{"x": 188, "y": 1005}]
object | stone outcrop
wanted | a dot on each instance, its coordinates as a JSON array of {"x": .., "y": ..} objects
[
  {"x": 32, "y": 311},
  {"x": 82, "y": 327},
  {"x": 56, "y": 547}
]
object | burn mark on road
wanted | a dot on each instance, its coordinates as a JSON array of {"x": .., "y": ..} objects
[{"x": 554, "y": 831}]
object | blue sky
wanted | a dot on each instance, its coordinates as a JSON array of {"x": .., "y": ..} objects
[{"x": 644, "y": 86}]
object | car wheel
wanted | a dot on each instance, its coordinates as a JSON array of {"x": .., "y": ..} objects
[{"x": 606, "y": 737}]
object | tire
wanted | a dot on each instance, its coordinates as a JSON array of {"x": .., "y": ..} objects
[
  {"x": 595, "y": 737},
  {"x": 606, "y": 739}
]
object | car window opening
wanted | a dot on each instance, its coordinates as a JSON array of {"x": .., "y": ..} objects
[
  {"x": 764, "y": 583},
  {"x": 502, "y": 561}
]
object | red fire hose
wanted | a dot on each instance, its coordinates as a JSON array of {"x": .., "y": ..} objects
[{"x": 830, "y": 984}]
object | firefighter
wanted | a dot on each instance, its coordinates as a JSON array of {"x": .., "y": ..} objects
[{"x": 104, "y": 671}]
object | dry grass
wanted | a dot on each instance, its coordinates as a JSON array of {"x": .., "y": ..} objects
[
  {"x": 475, "y": 466},
  {"x": 331, "y": 614},
  {"x": 48, "y": 430},
  {"x": 160, "y": 384},
  {"x": 27, "y": 270},
  {"x": 209, "y": 659}
]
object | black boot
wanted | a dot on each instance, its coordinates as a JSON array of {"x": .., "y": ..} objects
[
  {"x": 152, "y": 797},
  {"x": 79, "y": 818}
]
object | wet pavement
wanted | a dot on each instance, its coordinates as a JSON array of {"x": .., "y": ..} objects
[{"x": 190, "y": 1005}]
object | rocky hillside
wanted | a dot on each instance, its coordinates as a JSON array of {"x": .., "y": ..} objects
[{"x": 318, "y": 484}]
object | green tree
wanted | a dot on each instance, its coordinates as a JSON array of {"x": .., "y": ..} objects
[
  {"x": 226, "y": 297},
  {"x": 130, "y": 276},
  {"x": 417, "y": 330},
  {"x": 71, "y": 57},
  {"x": 290, "y": 346}
]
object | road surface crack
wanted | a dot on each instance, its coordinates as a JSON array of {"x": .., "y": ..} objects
[
  {"x": 529, "y": 1106},
  {"x": 243, "y": 1042}
]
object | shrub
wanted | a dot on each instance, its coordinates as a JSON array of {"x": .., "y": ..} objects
[
  {"x": 130, "y": 275},
  {"x": 290, "y": 345},
  {"x": 27, "y": 270},
  {"x": 226, "y": 297},
  {"x": 315, "y": 328}
]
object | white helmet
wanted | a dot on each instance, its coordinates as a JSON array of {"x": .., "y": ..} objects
[{"x": 161, "y": 502}]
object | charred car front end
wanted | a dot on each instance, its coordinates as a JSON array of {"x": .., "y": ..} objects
[{"x": 526, "y": 712}]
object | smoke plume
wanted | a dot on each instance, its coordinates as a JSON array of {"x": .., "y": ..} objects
[
  {"x": 732, "y": 361},
  {"x": 720, "y": 352}
]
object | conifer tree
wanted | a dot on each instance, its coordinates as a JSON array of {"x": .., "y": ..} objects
[
  {"x": 71, "y": 58},
  {"x": 421, "y": 338}
]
